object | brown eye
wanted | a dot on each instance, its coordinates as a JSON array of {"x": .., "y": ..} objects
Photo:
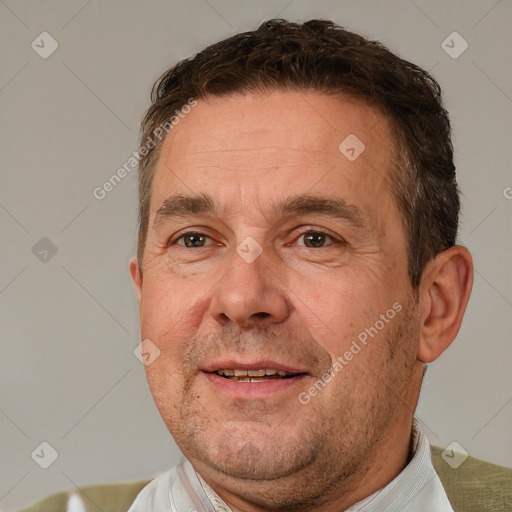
[
  {"x": 192, "y": 240},
  {"x": 315, "y": 239}
]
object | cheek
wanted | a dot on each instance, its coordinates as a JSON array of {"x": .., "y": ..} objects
[
  {"x": 349, "y": 315},
  {"x": 167, "y": 392},
  {"x": 167, "y": 303},
  {"x": 342, "y": 303}
]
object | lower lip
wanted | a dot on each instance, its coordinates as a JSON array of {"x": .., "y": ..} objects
[{"x": 252, "y": 390}]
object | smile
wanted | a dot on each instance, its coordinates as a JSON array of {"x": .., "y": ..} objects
[{"x": 262, "y": 375}]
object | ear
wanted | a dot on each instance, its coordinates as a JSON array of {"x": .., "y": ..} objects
[
  {"x": 136, "y": 277},
  {"x": 444, "y": 294}
]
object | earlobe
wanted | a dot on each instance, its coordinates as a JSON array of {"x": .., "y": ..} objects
[
  {"x": 444, "y": 294},
  {"x": 136, "y": 277}
]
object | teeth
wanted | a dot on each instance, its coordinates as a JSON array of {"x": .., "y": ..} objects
[
  {"x": 240, "y": 374},
  {"x": 256, "y": 373},
  {"x": 249, "y": 379}
]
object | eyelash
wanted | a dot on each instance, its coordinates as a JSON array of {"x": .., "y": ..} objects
[
  {"x": 308, "y": 230},
  {"x": 188, "y": 233}
]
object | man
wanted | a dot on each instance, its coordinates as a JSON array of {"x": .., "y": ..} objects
[{"x": 296, "y": 271}]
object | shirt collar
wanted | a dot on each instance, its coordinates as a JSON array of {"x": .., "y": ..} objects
[{"x": 418, "y": 483}]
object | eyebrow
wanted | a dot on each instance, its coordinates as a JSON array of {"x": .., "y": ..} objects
[
  {"x": 335, "y": 208},
  {"x": 184, "y": 206},
  {"x": 179, "y": 205}
]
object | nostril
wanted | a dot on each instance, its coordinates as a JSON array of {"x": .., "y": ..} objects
[{"x": 262, "y": 315}]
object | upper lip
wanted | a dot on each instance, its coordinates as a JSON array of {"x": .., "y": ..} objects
[{"x": 231, "y": 364}]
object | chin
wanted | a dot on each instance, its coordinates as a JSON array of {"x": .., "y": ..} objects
[
  {"x": 284, "y": 477},
  {"x": 248, "y": 451}
]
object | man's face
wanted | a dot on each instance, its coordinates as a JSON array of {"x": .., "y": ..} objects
[{"x": 272, "y": 250}]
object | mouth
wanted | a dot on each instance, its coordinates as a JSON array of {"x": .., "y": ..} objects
[
  {"x": 258, "y": 380},
  {"x": 258, "y": 375}
]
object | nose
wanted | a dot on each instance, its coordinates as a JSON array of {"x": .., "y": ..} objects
[{"x": 249, "y": 294}]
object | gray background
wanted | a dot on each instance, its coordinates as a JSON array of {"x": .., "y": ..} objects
[{"x": 69, "y": 320}]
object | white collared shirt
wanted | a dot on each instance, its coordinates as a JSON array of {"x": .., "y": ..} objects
[{"x": 416, "y": 489}]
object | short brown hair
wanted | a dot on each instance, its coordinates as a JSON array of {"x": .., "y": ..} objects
[{"x": 322, "y": 56}]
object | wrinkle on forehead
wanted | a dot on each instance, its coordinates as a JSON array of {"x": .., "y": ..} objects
[{"x": 249, "y": 149}]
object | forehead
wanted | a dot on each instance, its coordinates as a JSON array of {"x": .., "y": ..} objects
[{"x": 282, "y": 143}]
